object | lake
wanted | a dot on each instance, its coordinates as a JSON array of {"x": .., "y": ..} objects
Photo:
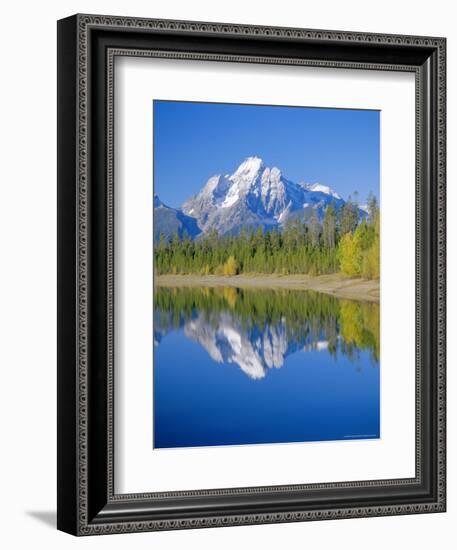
[{"x": 239, "y": 366}]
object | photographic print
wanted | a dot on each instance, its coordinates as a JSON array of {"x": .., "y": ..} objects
[{"x": 266, "y": 244}]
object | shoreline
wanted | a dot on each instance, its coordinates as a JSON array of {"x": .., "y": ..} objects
[{"x": 364, "y": 290}]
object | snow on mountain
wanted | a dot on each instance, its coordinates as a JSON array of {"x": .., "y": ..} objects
[
  {"x": 319, "y": 188},
  {"x": 254, "y": 196},
  {"x": 227, "y": 340}
]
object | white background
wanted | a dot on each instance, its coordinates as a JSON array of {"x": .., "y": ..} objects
[
  {"x": 137, "y": 467},
  {"x": 28, "y": 272}
]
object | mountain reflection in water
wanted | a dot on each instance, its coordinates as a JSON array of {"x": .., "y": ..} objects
[
  {"x": 258, "y": 329},
  {"x": 241, "y": 366}
]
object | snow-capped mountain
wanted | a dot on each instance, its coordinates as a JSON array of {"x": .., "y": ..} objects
[
  {"x": 257, "y": 195},
  {"x": 253, "y": 351},
  {"x": 228, "y": 340},
  {"x": 170, "y": 221}
]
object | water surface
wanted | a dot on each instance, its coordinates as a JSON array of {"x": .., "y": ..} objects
[{"x": 244, "y": 366}]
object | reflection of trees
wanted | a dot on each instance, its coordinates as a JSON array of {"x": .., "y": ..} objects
[
  {"x": 306, "y": 318},
  {"x": 359, "y": 324}
]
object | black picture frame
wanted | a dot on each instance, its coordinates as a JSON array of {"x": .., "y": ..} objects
[{"x": 87, "y": 45}]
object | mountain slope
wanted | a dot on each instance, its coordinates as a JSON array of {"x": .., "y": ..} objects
[
  {"x": 170, "y": 221},
  {"x": 253, "y": 196},
  {"x": 256, "y": 195}
]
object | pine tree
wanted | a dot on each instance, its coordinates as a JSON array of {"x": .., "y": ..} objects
[
  {"x": 340, "y": 244},
  {"x": 372, "y": 207},
  {"x": 329, "y": 228},
  {"x": 349, "y": 217},
  {"x": 314, "y": 229}
]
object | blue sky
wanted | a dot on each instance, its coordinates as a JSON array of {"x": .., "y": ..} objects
[{"x": 194, "y": 141}]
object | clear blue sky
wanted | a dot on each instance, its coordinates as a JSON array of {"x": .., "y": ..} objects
[{"x": 194, "y": 141}]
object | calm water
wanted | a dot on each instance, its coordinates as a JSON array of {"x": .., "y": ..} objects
[{"x": 236, "y": 366}]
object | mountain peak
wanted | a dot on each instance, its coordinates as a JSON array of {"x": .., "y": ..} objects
[
  {"x": 157, "y": 201},
  {"x": 171, "y": 221},
  {"x": 249, "y": 167},
  {"x": 256, "y": 195}
]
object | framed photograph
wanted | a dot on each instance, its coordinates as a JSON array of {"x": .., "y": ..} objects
[{"x": 251, "y": 274}]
